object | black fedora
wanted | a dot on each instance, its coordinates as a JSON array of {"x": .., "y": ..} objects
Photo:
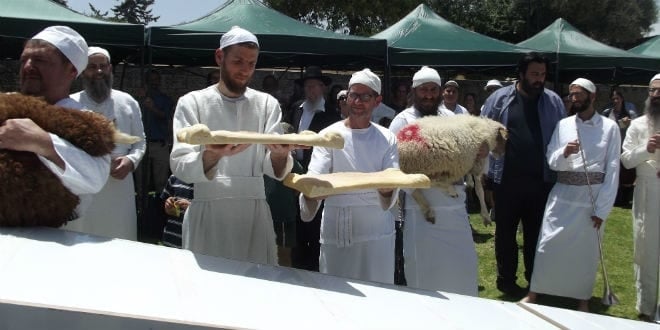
[{"x": 313, "y": 72}]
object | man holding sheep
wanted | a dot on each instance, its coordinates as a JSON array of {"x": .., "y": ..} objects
[
  {"x": 357, "y": 230},
  {"x": 440, "y": 255},
  {"x": 522, "y": 178}
]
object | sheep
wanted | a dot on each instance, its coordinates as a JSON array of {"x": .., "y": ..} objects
[
  {"x": 446, "y": 149},
  {"x": 30, "y": 194}
]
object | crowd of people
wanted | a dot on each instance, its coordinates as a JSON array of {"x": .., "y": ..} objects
[{"x": 558, "y": 179}]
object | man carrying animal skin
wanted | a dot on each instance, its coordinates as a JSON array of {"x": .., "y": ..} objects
[
  {"x": 357, "y": 230},
  {"x": 440, "y": 255},
  {"x": 641, "y": 150},
  {"x": 522, "y": 178},
  {"x": 50, "y": 62},
  {"x": 584, "y": 150},
  {"x": 229, "y": 216},
  {"x": 112, "y": 212}
]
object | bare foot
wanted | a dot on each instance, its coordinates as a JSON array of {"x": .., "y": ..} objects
[
  {"x": 530, "y": 298},
  {"x": 583, "y": 306}
]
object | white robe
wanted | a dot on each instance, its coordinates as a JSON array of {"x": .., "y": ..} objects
[
  {"x": 438, "y": 256},
  {"x": 646, "y": 216},
  {"x": 357, "y": 230},
  {"x": 112, "y": 211},
  {"x": 229, "y": 216},
  {"x": 567, "y": 258},
  {"x": 83, "y": 174}
]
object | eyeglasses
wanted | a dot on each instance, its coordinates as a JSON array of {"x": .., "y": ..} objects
[
  {"x": 366, "y": 97},
  {"x": 653, "y": 90}
]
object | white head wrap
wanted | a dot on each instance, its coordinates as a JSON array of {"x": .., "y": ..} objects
[
  {"x": 586, "y": 84},
  {"x": 493, "y": 82},
  {"x": 452, "y": 83},
  {"x": 656, "y": 77},
  {"x": 98, "y": 50},
  {"x": 367, "y": 78},
  {"x": 341, "y": 93},
  {"x": 425, "y": 75},
  {"x": 69, "y": 42},
  {"x": 237, "y": 35}
]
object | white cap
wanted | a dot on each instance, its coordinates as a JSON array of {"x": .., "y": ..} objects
[
  {"x": 586, "y": 84},
  {"x": 452, "y": 83},
  {"x": 98, "y": 50},
  {"x": 425, "y": 75},
  {"x": 237, "y": 35},
  {"x": 69, "y": 42},
  {"x": 656, "y": 77},
  {"x": 341, "y": 93},
  {"x": 493, "y": 82},
  {"x": 367, "y": 78}
]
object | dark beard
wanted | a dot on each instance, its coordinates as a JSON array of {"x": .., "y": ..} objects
[
  {"x": 231, "y": 85},
  {"x": 98, "y": 89},
  {"x": 652, "y": 110},
  {"x": 575, "y": 108},
  {"x": 426, "y": 110},
  {"x": 531, "y": 90}
]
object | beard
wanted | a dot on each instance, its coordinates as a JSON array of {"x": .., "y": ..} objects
[
  {"x": 580, "y": 107},
  {"x": 652, "y": 110},
  {"x": 533, "y": 90},
  {"x": 98, "y": 89},
  {"x": 427, "y": 107},
  {"x": 232, "y": 85}
]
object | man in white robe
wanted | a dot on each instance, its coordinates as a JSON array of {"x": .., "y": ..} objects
[
  {"x": 229, "y": 216},
  {"x": 112, "y": 212},
  {"x": 441, "y": 255},
  {"x": 50, "y": 62},
  {"x": 357, "y": 230},
  {"x": 641, "y": 151},
  {"x": 567, "y": 257}
]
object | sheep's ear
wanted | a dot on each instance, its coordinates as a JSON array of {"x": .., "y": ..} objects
[{"x": 503, "y": 133}]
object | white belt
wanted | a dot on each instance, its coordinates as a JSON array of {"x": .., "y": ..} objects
[
  {"x": 235, "y": 187},
  {"x": 354, "y": 199}
]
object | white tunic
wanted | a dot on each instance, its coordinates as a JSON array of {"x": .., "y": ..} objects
[
  {"x": 357, "y": 230},
  {"x": 83, "y": 174},
  {"x": 229, "y": 216},
  {"x": 567, "y": 258},
  {"x": 646, "y": 215},
  {"x": 438, "y": 256},
  {"x": 112, "y": 211}
]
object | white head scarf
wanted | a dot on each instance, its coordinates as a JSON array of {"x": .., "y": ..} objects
[
  {"x": 585, "y": 83},
  {"x": 425, "y": 75},
  {"x": 656, "y": 77},
  {"x": 367, "y": 78},
  {"x": 237, "y": 35},
  {"x": 69, "y": 42},
  {"x": 98, "y": 50}
]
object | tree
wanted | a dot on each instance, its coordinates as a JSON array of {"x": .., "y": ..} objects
[
  {"x": 134, "y": 11},
  {"x": 61, "y": 2}
]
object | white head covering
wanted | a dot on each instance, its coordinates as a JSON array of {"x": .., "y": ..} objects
[
  {"x": 69, "y": 42},
  {"x": 584, "y": 83},
  {"x": 656, "y": 77},
  {"x": 493, "y": 82},
  {"x": 367, "y": 78},
  {"x": 98, "y": 50},
  {"x": 425, "y": 75},
  {"x": 452, "y": 83},
  {"x": 341, "y": 93},
  {"x": 237, "y": 35}
]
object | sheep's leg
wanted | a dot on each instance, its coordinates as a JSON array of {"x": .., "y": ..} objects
[
  {"x": 479, "y": 189},
  {"x": 447, "y": 187},
  {"x": 424, "y": 205}
]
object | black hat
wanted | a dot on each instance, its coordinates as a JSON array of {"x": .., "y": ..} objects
[{"x": 313, "y": 72}]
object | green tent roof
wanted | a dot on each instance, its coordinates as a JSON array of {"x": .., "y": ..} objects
[
  {"x": 576, "y": 55},
  {"x": 283, "y": 40},
  {"x": 650, "y": 48},
  {"x": 22, "y": 19},
  {"x": 424, "y": 38}
]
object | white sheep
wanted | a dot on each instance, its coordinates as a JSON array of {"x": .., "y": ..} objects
[{"x": 445, "y": 149}]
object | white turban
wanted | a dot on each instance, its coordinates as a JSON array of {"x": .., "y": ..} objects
[
  {"x": 367, "y": 78},
  {"x": 586, "y": 84},
  {"x": 98, "y": 50},
  {"x": 425, "y": 75},
  {"x": 69, "y": 42},
  {"x": 656, "y": 77},
  {"x": 493, "y": 83},
  {"x": 237, "y": 35}
]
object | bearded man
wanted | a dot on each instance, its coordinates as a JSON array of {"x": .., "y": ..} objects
[
  {"x": 640, "y": 151},
  {"x": 584, "y": 150},
  {"x": 441, "y": 255},
  {"x": 522, "y": 178},
  {"x": 112, "y": 212},
  {"x": 229, "y": 216}
]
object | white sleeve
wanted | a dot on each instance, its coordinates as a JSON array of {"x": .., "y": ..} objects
[{"x": 137, "y": 150}]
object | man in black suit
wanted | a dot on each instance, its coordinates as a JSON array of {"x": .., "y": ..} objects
[{"x": 313, "y": 114}]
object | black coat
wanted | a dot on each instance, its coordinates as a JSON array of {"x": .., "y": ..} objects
[{"x": 320, "y": 121}]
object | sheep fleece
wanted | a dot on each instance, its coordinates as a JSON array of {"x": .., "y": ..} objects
[
  {"x": 30, "y": 194},
  {"x": 445, "y": 148}
]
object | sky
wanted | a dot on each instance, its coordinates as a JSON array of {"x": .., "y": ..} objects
[{"x": 178, "y": 11}]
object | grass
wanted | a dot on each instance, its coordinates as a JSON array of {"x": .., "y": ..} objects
[{"x": 618, "y": 252}]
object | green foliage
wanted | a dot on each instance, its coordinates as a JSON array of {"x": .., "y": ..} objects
[
  {"x": 135, "y": 11},
  {"x": 61, "y": 2}
]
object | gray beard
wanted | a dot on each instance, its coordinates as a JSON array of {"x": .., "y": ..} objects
[
  {"x": 98, "y": 90},
  {"x": 652, "y": 110}
]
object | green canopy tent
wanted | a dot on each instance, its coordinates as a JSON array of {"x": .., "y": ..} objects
[
  {"x": 424, "y": 38},
  {"x": 283, "y": 41},
  {"x": 650, "y": 48},
  {"x": 22, "y": 19},
  {"x": 576, "y": 55}
]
